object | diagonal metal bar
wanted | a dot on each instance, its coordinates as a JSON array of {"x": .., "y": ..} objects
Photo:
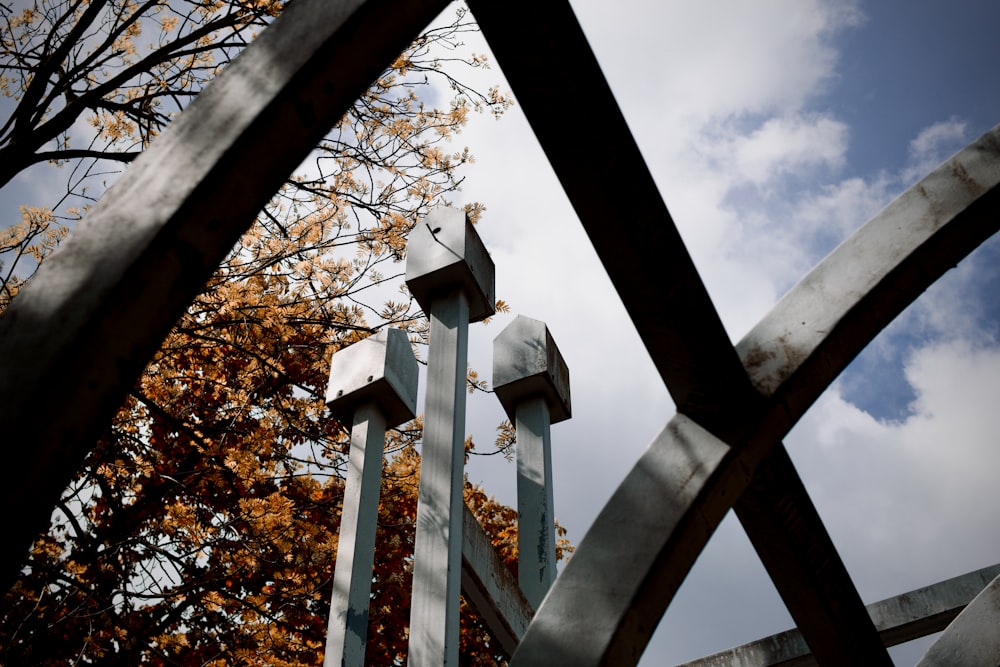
[
  {"x": 672, "y": 311},
  {"x": 628, "y": 223},
  {"x": 603, "y": 607},
  {"x": 802, "y": 561},
  {"x": 111, "y": 293}
]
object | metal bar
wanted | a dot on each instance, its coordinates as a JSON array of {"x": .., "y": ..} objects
[
  {"x": 973, "y": 638},
  {"x": 437, "y": 557},
  {"x": 899, "y": 619},
  {"x": 795, "y": 352},
  {"x": 673, "y": 313},
  {"x": 598, "y": 612},
  {"x": 125, "y": 274},
  {"x": 929, "y": 609},
  {"x": 603, "y": 607},
  {"x": 352, "y": 578},
  {"x": 802, "y": 561},
  {"x": 536, "y": 540},
  {"x": 490, "y": 587}
]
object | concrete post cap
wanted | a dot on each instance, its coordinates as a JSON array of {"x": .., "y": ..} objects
[
  {"x": 380, "y": 368},
  {"x": 444, "y": 253},
  {"x": 526, "y": 362}
]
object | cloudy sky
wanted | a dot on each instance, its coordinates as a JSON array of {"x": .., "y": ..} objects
[{"x": 774, "y": 130}]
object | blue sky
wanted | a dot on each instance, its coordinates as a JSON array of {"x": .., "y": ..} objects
[{"x": 773, "y": 129}]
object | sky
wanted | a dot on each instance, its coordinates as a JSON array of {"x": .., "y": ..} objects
[{"x": 773, "y": 129}]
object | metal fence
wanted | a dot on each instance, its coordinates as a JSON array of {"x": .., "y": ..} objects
[{"x": 721, "y": 451}]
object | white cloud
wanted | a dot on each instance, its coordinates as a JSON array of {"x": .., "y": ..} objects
[
  {"x": 721, "y": 99},
  {"x": 933, "y": 145},
  {"x": 784, "y": 146},
  {"x": 702, "y": 60},
  {"x": 913, "y": 502}
]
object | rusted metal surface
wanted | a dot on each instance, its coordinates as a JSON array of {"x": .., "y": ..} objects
[
  {"x": 118, "y": 283},
  {"x": 899, "y": 619}
]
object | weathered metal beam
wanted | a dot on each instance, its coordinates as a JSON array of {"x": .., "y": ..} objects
[
  {"x": 899, "y": 619},
  {"x": 929, "y": 609},
  {"x": 629, "y": 224},
  {"x": 795, "y": 352},
  {"x": 596, "y": 614},
  {"x": 437, "y": 550},
  {"x": 603, "y": 607},
  {"x": 109, "y": 295},
  {"x": 973, "y": 638},
  {"x": 536, "y": 529},
  {"x": 802, "y": 561},
  {"x": 673, "y": 313},
  {"x": 490, "y": 587}
]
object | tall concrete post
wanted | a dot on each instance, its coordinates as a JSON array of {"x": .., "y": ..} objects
[
  {"x": 451, "y": 276},
  {"x": 532, "y": 382},
  {"x": 373, "y": 383}
]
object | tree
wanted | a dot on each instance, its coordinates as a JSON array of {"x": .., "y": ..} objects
[{"x": 202, "y": 527}]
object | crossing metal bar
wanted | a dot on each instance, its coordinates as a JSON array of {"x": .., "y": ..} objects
[
  {"x": 595, "y": 618},
  {"x": 668, "y": 304},
  {"x": 973, "y": 638},
  {"x": 374, "y": 383},
  {"x": 451, "y": 275},
  {"x": 898, "y": 619}
]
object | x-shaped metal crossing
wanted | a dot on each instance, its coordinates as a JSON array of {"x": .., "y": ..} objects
[{"x": 125, "y": 275}]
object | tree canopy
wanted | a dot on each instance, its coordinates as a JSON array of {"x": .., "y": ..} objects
[{"x": 202, "y": 528}]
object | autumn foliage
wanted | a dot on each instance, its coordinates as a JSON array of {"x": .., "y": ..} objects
[{"x": 202, "y": 529}]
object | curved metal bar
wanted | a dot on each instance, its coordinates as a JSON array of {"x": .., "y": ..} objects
[
  {"x": 604, "y": 606},
  {"x": 972, "y": 639},
  {"x": 816, "y": 329},
  {"x": 93, "y": 316}
]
